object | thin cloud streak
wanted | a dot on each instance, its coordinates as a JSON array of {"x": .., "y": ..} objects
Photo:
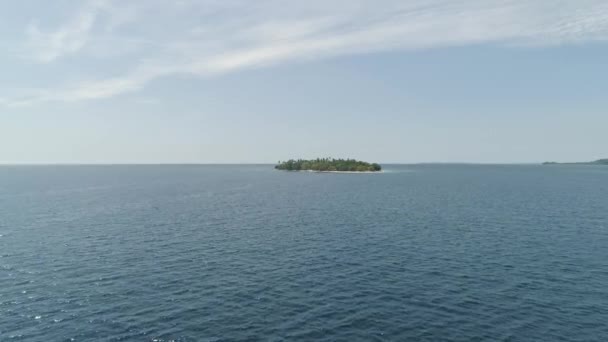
[
  {"x": 68, "y": 39},
  {"x": 269, "y": 33}
]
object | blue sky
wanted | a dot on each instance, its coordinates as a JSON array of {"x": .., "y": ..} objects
[{"x": 216, "y": 81}]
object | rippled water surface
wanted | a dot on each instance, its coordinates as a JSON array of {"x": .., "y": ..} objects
[{"x": 225, "y": 253}]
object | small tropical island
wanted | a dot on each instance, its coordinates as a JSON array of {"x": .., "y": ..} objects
[
  {"x": 328, "y": 165},
  {"x": 596, "y": 162}
]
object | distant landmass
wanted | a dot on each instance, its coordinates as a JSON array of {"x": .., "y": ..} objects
[
  {"x": 596, "y": 162},
  {"x": 328, "y": 165}
]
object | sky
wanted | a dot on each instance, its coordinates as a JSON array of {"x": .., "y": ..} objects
[{"x": 240, "y": 81}]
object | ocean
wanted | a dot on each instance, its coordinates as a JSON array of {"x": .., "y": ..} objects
[{"x": 247, "y": 253}]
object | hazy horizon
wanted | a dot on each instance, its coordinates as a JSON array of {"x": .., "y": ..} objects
[{"x": 271, "y": 163}]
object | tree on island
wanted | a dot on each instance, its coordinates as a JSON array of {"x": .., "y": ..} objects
[{"x": 328, "y": 164}]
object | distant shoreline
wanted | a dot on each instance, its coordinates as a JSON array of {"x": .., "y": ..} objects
[
  {"x": 596, "y": 162},
  {"x": 328, "y": 165},
  {"x": 317, "y": 171}
]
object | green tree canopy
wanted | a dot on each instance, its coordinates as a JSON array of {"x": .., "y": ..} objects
[{"x": 328, "y": 164}]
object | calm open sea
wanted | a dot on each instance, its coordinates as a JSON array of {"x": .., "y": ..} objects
[{"x": 235, "y": 253}]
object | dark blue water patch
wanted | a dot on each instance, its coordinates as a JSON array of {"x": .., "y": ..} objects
[{"x": 224, "y": 253}]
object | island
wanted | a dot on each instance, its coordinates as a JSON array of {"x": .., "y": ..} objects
[
  {"x": 328, "y": 165},
  {"x": 596, "y": 162}
]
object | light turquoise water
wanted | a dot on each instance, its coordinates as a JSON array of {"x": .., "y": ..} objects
[{"x": 225, "y": 253}]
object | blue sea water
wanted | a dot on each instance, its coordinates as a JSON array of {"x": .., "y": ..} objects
[{"x": 235, "y": 253}]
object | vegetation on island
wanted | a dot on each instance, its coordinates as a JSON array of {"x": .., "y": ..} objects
[
  {"x": 328, "y": 164},
  {"x": 596, "y": 162}
]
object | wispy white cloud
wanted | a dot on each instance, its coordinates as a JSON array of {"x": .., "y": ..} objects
[
  {"x": 212, "y": 37},
  {"x": 67, "y": 39}
]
